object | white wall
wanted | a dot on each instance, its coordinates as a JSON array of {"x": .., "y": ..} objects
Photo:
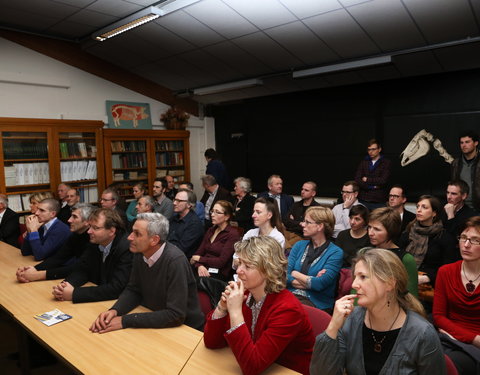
[{"x": 33, "y": 85}]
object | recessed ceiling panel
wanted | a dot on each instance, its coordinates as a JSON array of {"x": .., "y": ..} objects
[
  {"x": 342, "y": 34},
  {"x": 443, "y": 20},
  {"x": 302, "y": 42},
  {"x": 89, "y": 17},
  {"x": 190, "y": 29},
  {"x": 238, "y": 59},
  {"x": 268, "y": 51},
  {"x": 264, "y": 13},
  {"x": 417, "y": 64},
  {"x": 221, "y": 18},
  {"x": 388, "y": 23},
  {"x": 309, "y": 8},
  {"x": 117, "y": 8}
]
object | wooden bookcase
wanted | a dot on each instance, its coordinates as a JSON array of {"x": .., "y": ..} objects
[
  {"x": 37, "y": 154},
  {"x": 133, "y": 156}
]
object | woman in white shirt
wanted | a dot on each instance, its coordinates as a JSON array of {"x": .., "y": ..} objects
[{"x": 266, "y": 218}]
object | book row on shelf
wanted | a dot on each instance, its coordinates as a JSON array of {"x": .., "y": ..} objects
[
  {"x": 177, "y": 174},
  {"x": 166, "y": 159},
  {"x": 169, "y": 146},
  {"x": 21, "y": 202},
  {"x": 78, "y": 170},
  {"x": 25, "y": 149},
  {"x": 121, "y": 146},
  {"x": 129, "y": 160},
  {"x": 130, "y": 175},
  {"x": 77, "y": 150},
  {"x": 27, "y": 174}
]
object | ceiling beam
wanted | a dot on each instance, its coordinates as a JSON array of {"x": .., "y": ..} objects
[{"x": 71, "y": 54}]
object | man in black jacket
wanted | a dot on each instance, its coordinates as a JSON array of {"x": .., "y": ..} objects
[
  {"x": 9, "y": 228},
  {"x": 106, "y": 262},
  {"x": 162, "y": 280},
  {"x": 63, "y": 262}
]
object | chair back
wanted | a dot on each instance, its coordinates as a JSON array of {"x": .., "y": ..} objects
[
  {"x": 345, "y": 281},
  {"x": 23, "y": 229},
  {"x": 205, "y": 303},
  {"x": 451, "y": 369},
  {"x": 318, "y": 318}
]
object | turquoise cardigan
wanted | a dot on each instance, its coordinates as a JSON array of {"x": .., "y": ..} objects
[{"x": 323, "y": 289}]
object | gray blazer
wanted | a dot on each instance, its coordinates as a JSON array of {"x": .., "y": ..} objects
[{"x": 416, "y": 351}]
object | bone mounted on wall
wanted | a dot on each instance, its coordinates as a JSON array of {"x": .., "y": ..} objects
[{"x": 419, "y": 146}]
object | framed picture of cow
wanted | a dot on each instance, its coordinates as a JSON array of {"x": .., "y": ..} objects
[{"x": 128, "y": 115}]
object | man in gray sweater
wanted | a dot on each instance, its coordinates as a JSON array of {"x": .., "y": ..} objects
[{"x": 161, "y": 280}]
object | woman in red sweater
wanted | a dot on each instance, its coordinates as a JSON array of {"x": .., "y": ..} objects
[
  {"x": 456, "y": 305},
  {"x": 257, "y": 317}
]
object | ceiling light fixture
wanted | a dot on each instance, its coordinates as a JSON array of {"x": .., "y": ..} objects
[
  {"x": 227, "y": 86},
  {"x": 373, "y": 61},
  {"x": 139, "y": 18}
]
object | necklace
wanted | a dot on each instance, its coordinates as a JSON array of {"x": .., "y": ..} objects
[
  {"x": 377, "y": 346},
  {"x": 470, "y": 286}
]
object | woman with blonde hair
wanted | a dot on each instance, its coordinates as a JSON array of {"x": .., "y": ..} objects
[
  {"x": 257, "y": 317},
  {"x": 314, "y": 264},
  {"x": 36, "y": 198},
  {"x": 387, "y": 332}
]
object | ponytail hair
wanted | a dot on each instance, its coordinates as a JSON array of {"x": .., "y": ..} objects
[{"x": 387, "y": 267}]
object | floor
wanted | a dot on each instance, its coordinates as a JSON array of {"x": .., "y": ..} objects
[{"x": 8, "y": 345}]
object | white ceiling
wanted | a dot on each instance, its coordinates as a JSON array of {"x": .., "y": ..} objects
[{"x": 218, "y": 41}]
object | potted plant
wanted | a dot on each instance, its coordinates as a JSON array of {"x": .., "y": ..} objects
[{"x": 174, "y": 118}]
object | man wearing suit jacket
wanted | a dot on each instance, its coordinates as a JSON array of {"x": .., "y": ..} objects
[
  {"x": 110, "y": 200},
  {"x": 213, "y": 193},
  {"x": 45, "y": 233},
  {"x": 9, "y": 228},
  {"x": 106, "y": 262},
  {"x": 275, "y": 188}
]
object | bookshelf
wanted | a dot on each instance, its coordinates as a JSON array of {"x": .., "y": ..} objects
[
  {"x": 38, "y": 154},
  {"x": 133, "y": 156}
]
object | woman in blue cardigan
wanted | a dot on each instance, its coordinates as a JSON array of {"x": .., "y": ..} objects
[{"x": 314, "y": 265}]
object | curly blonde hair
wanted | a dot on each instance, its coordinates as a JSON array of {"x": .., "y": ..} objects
[{"x": 267, "y": 256}]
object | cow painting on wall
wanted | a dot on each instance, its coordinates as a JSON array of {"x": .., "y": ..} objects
[{"x": 128, "y": 115}]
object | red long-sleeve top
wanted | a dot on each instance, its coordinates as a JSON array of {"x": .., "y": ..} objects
[
  {"x": 454, "y": 309},
  {"x": 283, "y": 334}
]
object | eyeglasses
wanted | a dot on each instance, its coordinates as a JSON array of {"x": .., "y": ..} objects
[
  {"x": 180, "y": 200},
  {"x": 95, "y": 228},
  {"x": 308, "y": 222},
  {"x": 473, "y": 241},
  {"x": 394, "y": 196},
  {"x": 106, "y": 200},
  {"x": 216, "y": 212},
  {"x": 347, "y": 192},
  {"x": 372, "y": 148}
]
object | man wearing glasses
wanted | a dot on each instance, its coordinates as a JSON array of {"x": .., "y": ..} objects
[
  {"x": 396, "y": 200},
  {"x": 372, "y": 177},
  {"x": 186, "y": 229},
  {"x": 110, "y": 201},
  {"x": 341, "y": 211},
  {"x": 106, "y": 262}
]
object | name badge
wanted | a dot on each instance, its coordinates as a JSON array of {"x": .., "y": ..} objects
[{"x": 213, "y": 270}]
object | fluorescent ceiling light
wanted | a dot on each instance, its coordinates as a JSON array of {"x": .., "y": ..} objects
[
  {"x": 343, "y": 66},
  {"x": 140, "y": 17},
  {"x": 227, "y": 86}
]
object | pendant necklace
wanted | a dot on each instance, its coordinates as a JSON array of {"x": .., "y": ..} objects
[
  {"x": 377, "y": 346},
  {"x": 470, "y": 286}
]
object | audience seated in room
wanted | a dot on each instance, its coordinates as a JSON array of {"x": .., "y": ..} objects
[
  {"x": 314, "y": 264},
  {"x": 456, "y": 304},
  {"x": 62, "y": 263},
  {"x": 186, "y": 229},
  {"x": 353, "y": 239},
  {"x": 341, "y": 211},
  {"x": 161, "y": 280},
  {"x": 45, "y": 233},
  {"x": 214, "y": 256},
  {"x": 387, "y": 332},
  {"x": 106, "y": 262},
  {"x": 257, "y": 317},
  {"x": 275, "y": 191}
]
